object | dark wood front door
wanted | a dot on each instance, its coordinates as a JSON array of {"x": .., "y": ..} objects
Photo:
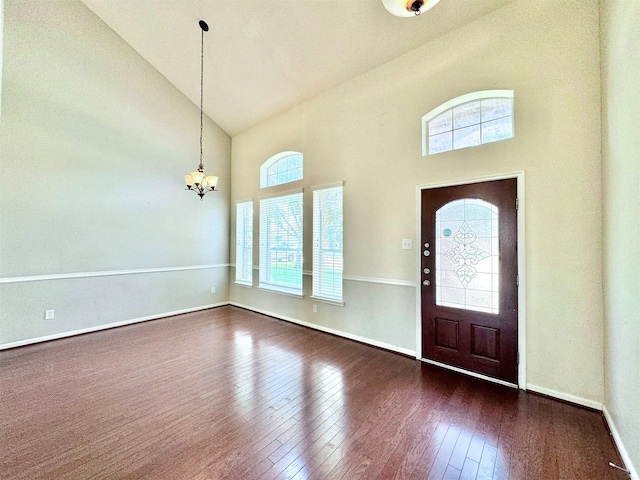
[{"x": 469, "y": 277}]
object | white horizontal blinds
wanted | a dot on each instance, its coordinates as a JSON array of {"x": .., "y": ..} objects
[
  {"x": 327, "y": 243},
  {"x": 244, "y": 242},
  {"x": 281, "y": 243}
]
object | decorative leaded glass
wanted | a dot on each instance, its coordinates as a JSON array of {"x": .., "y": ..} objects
[{"x": 467, "y": 256}]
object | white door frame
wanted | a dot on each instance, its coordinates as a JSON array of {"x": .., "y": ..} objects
[{"x": 522, "y": 344}]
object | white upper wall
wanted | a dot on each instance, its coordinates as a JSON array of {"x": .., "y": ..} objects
[
  {"x": 367, "y": 132},
  {"x": 94, "y": 146}
]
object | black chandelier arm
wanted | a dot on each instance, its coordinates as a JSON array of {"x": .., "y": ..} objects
[{"x": 199, "y": 190}]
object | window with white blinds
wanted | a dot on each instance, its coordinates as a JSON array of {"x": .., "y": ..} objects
[
  {"x": 244, "y": 243},
  {"x": 281, "y": 243},
  {"x": 327, "y": 243}
]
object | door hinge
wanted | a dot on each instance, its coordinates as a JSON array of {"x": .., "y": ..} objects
[
  {"x": 518, "y": 358},
  {"x": 517, "y": 203},
  {"x": 517, "y": 280}
]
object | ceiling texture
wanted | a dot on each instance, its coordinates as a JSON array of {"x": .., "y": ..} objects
[{"x": 263, "y": 57}]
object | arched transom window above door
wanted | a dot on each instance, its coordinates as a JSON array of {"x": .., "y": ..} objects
[
  {"x": 282, "y": 168},
  {"x": 468, "y": 121}
]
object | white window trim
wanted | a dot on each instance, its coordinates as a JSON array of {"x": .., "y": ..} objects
[
  {"x": 454, "y": 102},
  {"x": 265, "y": 285},
  {"x": 328, "y": 185},
  {"x": 280, "y": 194},
  {"x": 330, "y": 301},
  {"x": 280, "y": 291}
]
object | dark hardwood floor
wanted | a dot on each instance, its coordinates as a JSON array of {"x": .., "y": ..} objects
[{"x": 228, "y": 393}]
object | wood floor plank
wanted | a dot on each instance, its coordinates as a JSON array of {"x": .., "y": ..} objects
[
  {"x": 459, "y": 454},
  {"x": 487, "y": 462},
  {"x": 228, "y": 393},
  {"x": 451, "y": 473},
  {"x": 441, "y": 461},
  {"x": 469, "y": 470}
]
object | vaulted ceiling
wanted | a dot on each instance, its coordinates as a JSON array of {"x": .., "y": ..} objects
[{"x": 263, "y": 57}]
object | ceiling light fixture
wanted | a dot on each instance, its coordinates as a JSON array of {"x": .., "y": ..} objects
[
  {"x": 197, "y": 181},
  {"x": 408, "y": 8}
]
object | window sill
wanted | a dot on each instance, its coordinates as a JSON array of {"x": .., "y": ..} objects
[
  {"x": 288, "y": 293},
  {"x": 245, "y": 285},
  {"x": 337, "y": 303}
]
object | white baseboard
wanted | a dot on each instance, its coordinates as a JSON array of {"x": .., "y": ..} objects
[
  {"x": 567, "y": 397},
  {"x": 30, "y": 341},
  {"x": 339, "y": 333},
  {"x": 628, "y": 464}
]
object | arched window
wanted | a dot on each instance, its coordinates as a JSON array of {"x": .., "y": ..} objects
[
  {"x": 468, "y": 121},
  {"x": 282, "y": 168}
]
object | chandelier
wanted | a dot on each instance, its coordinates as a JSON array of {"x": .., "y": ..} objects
[
  {"x": 197, "y": 181},
  {"x": 408, "y": 8}
]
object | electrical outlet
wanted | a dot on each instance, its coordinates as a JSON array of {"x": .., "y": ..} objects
[
  {"x": 407, "y": 244},
  {"x": 315, "y": 308},
  {"x": 213, "y": 289},
  {"x": 48, "y": 315}
]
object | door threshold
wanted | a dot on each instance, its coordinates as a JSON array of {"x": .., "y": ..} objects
[{"x": 471, "y": 374}]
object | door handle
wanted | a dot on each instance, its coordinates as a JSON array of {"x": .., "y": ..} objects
[
  {"x": 427, "y": 253},
  {"x": 426, "y": 271},
  {"x": 426, "y": 283}
]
